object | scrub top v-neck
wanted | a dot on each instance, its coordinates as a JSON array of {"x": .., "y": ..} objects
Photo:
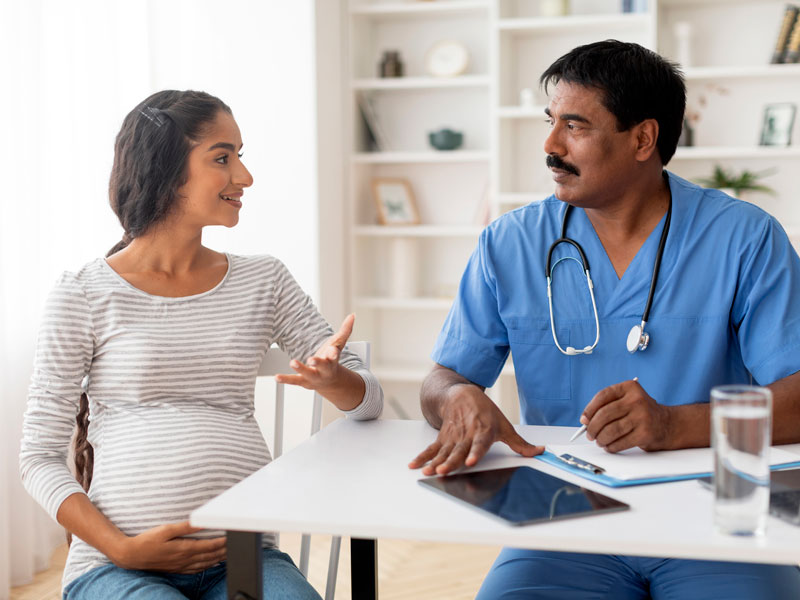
[{"x": 713, "y": 318}]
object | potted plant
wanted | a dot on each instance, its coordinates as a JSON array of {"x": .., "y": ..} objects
[{"x": 734, "y": 184}]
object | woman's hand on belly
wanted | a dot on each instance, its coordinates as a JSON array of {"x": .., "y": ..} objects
[{"x": 164, "y": 548}]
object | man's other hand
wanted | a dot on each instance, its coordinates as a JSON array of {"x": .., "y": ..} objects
[{"x": 471, "y": 423}]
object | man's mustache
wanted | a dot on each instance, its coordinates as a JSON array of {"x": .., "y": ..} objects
[{"x": 555, "y": 162}]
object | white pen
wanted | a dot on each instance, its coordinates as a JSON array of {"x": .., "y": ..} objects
[{"x": 582, "y": 429}]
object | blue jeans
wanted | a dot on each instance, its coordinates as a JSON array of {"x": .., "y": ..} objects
[
  {"x": 533, "y": 574},
  {"x": 282, "y": 580}
]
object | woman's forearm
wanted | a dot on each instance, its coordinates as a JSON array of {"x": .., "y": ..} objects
[
  {"x": 80, "y": 517},
  {"x": 347, "y": 393}
]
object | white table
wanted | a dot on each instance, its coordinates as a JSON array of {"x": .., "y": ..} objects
[{"x": 352, "y": 479}]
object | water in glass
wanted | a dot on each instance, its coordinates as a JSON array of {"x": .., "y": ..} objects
[{"x": 741, "y": 439}]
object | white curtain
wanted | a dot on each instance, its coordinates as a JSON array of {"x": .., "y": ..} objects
[{"x": 70, "y": 72}]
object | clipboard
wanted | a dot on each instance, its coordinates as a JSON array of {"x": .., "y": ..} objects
[{"x": 587, "y": 470}]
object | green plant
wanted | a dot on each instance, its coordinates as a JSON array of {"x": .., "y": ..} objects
[{"x": 738, "y": 182}]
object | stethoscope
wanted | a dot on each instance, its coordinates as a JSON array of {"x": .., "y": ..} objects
[{"x": 638, "y": 338}]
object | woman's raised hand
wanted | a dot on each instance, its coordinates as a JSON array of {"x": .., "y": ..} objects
[
  {"x": 322, "y": 372},
  {"x": 164, "y": 548}
]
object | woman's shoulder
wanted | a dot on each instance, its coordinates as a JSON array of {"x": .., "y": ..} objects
[
  {"x": 82, "y": 277},
  {"x": 69, "y": 292},
  {"x": 252, "y": 266}
]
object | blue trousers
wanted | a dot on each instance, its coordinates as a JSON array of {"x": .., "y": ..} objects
[
  {"x": 538, "y": 575},
  {"x": 282, "y": 580}
]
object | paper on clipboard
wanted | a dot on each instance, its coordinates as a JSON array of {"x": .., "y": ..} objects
[{"x": 636, "y": 464}]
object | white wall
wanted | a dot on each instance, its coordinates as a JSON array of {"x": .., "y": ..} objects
[{"x": 258, "y": 57}]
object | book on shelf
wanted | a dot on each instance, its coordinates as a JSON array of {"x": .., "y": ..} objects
[
  {"x": 375, "y": 135},
  {"x": 789, "y": 32},
  {"x": 792, "y": 54}
]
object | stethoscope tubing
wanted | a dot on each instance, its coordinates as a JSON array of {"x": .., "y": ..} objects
[{"x": 570, "y": 351}]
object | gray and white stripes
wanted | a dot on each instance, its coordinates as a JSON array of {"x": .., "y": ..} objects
[{"x": 171, "y": 385}]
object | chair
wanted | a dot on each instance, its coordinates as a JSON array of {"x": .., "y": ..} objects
[{"x": 275, "y": 362}]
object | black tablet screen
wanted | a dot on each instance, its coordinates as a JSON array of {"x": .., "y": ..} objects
[{"x": 521, "y": 495}]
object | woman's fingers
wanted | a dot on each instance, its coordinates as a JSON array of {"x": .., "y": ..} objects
[
  {"x": 176, "y": 530},
  {"x": 340, "y": 338}
]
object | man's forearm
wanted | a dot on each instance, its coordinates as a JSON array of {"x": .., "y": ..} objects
[
  {"x": 786, "y": 410},
  {"x": 435, "y": 390},
  {"x": 691, "y": 423},
  {"x": 690, "y": 426}
]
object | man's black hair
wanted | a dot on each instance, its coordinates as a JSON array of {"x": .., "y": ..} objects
[{"x": 636, "y": 84}]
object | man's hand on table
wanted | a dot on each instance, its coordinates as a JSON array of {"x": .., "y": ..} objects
[{"x": 471, "y": 423}]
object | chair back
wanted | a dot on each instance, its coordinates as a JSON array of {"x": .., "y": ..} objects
[{"x": 276, "y": 361}]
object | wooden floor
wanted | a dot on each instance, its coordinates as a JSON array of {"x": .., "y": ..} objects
[{"x": 406, "y": 570}]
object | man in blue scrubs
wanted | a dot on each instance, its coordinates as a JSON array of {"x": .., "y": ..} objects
[{"x": 726, "y": 309}]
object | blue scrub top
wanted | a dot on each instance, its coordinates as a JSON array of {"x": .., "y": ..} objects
[{"x": 727, "y": 305}]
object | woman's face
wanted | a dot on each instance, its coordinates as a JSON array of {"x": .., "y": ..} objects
[{"x": 216, "y": 177}]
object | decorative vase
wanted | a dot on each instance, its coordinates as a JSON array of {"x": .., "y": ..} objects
[
  {"x": 446, "y": 139},
  {"x": 391, "y": 65}
]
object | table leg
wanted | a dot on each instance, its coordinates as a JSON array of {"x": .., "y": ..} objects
[
  {"x": 364, "y": 568},
  {"x": 244, "y": 566}
]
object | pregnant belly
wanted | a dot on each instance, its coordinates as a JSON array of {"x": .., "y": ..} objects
[{"x": 157, "y": 468}]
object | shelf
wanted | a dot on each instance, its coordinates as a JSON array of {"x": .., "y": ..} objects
[
  {"x": 720, "y": 152},
  {"x": 749, "y": 72},
  {"x": 444, "y": 156},
  {"x": 421, "y": 83},
  {"x": 404, "y": 303},
  {"x": 573, "y": 22},
  {"x": 453, "y": 231},
  {"x": 404, "y": 10},
  {"x": 700, "y": 3},
  {"x": 521, "y": 112}
]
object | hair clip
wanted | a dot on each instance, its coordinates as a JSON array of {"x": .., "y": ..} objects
[{"x": 153, "y": 114}]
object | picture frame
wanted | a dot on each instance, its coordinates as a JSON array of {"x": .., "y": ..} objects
[
  {"x": 776, "y": 129},
  {"x": 395, "y": 201}
]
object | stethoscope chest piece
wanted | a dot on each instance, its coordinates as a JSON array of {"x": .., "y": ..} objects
[{"x": 638, "y": 338}]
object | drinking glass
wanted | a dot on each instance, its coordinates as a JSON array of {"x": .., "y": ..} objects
[{"x": 741, "y": 434}]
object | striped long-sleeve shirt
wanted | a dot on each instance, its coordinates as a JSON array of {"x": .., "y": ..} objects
[{"x": 170, "y": 387}]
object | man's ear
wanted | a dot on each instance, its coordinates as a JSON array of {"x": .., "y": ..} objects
[{"x": 646, "y": 138}]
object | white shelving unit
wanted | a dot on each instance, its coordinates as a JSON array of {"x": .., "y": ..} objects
[{"x": 501, "y": 164}]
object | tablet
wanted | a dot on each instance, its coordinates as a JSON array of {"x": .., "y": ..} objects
[
  {"x": 784, "y": 494},
  {"x": 522, "y": 495}
]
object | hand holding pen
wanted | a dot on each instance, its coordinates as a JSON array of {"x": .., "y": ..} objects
[
  {"x": 582, "y": 429},
  {"x": 623, "y": 416}
]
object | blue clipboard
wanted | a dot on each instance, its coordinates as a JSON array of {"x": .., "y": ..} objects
[{"x": 589, "y": 471}]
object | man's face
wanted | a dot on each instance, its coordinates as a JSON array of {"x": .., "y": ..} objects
[{"x": 592, "y": 163}]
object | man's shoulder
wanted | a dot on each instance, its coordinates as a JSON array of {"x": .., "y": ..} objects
[{"x": 716, "y": 209}]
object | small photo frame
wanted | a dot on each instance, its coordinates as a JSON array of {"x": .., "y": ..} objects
[
  {"x": 395, "y": 201},
  {"x": 778, "y": 123}
]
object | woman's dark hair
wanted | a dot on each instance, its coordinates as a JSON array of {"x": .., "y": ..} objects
[
  {"x": 636, "y": 84},
  {"x": 150, "y": 156}
]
